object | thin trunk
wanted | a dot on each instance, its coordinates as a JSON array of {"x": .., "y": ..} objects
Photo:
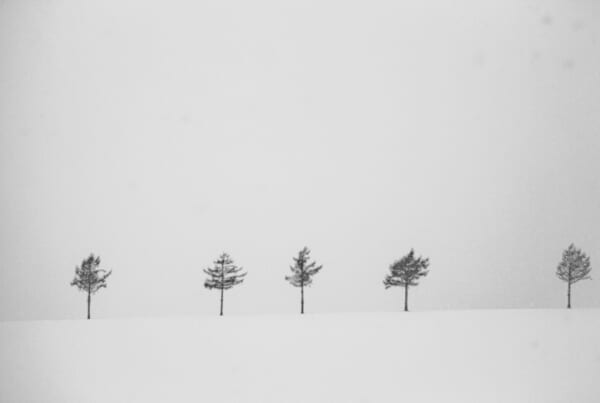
[
  {"x": 406, "y": 298},
  {"x": 302, "y": 288},
  {"x": 221, "y": 312},
  {"x": 569, "y": 290},
  {"x": 89, "y": 301},
  {"x": 302, "y": 298},
  {"x": 222, "y": 285}
]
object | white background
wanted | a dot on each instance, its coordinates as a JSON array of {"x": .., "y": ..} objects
[{"x": 159, "y": 134}]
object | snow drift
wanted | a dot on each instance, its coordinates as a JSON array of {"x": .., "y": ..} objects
[{"x": 470, "y": 356}]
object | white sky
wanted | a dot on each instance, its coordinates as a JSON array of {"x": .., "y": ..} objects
[{"x": 158, "y": 135}]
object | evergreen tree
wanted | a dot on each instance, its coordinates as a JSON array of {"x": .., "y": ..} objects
[
  {"x": 406, "y": 273},
  {"x": 574, "y": 266},
  {"x": 302, "y": 272},
  {"x": 223, "y": 276},
  {"x": 89, "y": 278}
]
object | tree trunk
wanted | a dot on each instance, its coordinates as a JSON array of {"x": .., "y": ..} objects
[
  {"x": 569, "y": 295},
  {"x": 89, "y": 301},
  {"x": 221, "y": 312},
  {"x": 302, "y": 299},
  {"x": 222, "y": 285},
  {"x": 406, "y": 298}
]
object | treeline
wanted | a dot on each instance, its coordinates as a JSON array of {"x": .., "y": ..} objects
[{"x": 405, "y": 272}]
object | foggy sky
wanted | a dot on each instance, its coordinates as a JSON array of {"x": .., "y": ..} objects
[{"x": 159, "y": 135}]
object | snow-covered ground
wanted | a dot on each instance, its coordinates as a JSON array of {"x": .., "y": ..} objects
[{"x": 470, "y": 356}]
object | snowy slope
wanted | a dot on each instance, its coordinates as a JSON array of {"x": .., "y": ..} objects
[{"x": 470, "y": 356}]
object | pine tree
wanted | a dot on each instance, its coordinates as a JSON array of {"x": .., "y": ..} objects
[
  {"x": 89, "y": 278},
  {"x": 223, "y": 276},
  {"x": 574, "y": 266},
  {"x": 302, "y": 272},
  {"x": 406, "y": 273}
]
